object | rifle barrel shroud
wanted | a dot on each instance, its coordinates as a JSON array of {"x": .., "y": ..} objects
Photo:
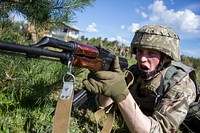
[{"x": 94, "y": 58}]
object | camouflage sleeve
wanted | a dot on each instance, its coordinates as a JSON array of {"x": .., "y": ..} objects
[{"x": 173, "y": 109}]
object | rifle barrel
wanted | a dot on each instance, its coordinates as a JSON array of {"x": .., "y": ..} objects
[{"x": 33, "y": 51}]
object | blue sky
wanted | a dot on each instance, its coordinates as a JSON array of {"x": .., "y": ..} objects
[{"x": 119, "y": 19}]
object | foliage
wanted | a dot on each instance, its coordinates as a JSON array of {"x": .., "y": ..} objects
[
  {"x": 43, "y": 14},
  {"x": 29, "y": 90},
  {"x": 195, "y": 63}
]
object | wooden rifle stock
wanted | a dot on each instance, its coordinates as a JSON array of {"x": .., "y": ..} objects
[
  {"x": 92, "y": 64},
  {"x": 86, "y": 50},
  {"x": 86, "y": 56},
  {"x": 95, "y": 58}
]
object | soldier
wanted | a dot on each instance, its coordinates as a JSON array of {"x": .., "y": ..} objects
[
  {"x": 127, "y": 52},
  {"x": 120, "y": 50},
  {"x": 154, "y": 95}
]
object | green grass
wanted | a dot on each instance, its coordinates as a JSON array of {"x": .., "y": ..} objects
[
  {"x": 131, "y": 61},
  {"x": 28, "y": 96}
]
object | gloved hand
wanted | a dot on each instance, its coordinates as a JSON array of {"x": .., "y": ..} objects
[{"x": 109, "y": 83}]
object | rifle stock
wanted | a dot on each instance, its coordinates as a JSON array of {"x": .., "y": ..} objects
[
  {"x": 82, "y": 55},
  {"x": 91, "y": 64}
]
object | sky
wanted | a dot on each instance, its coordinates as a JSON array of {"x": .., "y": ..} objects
[{"x": 119, "y": 19}]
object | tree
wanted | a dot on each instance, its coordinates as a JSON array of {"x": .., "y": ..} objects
[
  {"x": 186, "y": 60},
  {"x": 98, "y": 41},
  {"x": 44, "y": 14}
]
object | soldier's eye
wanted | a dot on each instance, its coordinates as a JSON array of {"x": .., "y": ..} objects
[
  {"x": 153, "y": 53},
  {"x": 139, "y": 51}
]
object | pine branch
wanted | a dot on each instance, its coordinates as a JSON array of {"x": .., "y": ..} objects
[{"x": 73, "y": 5}]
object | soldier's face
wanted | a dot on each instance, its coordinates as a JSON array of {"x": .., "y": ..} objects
[{"x": 147, "y": 59}]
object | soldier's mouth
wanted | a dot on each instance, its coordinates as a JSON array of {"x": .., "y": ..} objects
[{"x": 144, "y": 68}]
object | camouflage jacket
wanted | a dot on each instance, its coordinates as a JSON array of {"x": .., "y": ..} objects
[{"x": 167, "y": 113}]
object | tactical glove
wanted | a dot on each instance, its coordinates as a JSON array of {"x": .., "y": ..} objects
[{"x": 109, "y": 83}]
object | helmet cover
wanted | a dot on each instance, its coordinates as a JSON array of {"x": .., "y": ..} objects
[{"x": 159, "y": 38}]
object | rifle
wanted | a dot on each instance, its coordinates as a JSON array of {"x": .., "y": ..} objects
[{"x": 81, "y": 55}]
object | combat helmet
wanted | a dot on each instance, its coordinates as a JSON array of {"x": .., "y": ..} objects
[{"x": 157, "y": 37}]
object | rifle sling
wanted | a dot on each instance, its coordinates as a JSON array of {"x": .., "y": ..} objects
[
  {"x": 110, "y": 113},
  {"x": 62, "y": 115}
]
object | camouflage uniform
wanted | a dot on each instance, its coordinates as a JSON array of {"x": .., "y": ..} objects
[
  {"x": 170, "y": 113},
  {"x": 173, "y": 107}
]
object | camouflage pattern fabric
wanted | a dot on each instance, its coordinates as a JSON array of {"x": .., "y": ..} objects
[
  {"x": 157, "y": 37},
  {"x": 172, "y": 110}
]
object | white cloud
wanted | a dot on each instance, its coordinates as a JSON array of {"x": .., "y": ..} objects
[
  {"x": 92, "y": 28},
  {"x": 122, "y": 27},
  {"x": 134, "y": 27},
  {"x": 185, "y": 20},
  {"x": 137, "y": 10},
  {"x": 144, "y": 15},
  {"x": 119, "y": 39}
]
